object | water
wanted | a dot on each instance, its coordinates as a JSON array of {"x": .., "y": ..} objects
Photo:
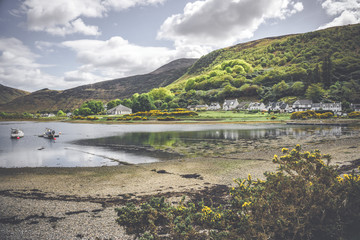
[{"x": 90, "y": 145}]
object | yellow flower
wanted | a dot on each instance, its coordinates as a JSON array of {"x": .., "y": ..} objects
[
  {"x": 340, "y": 179},
  {"x": 310, "y": 184},
  {"x": 249, "y": 177},
  {"x": 284, "y": 150},
  {"x": 246, "y": 204}
]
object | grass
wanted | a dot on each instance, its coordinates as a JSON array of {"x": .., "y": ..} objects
[
  {"x": 242, "y": 116},
  {"x": 220, "y": 116}
]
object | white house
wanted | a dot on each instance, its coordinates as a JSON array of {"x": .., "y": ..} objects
[
  {"x": 214, "y": 106},
  {"x": 278, "y": 106},
  {"x": 201, "y": 107},
  {"x": 302, "y": 105},
  {"x": 257, "y": 106},
  {"x": 335, "y": 106},
  {"x": 230, "y": 104},
  {"x": 119, "y": 110},
  {"x": 355, "y": 107}
]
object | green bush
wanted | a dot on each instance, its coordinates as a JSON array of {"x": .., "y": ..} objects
[
  {"x": 166, "y": 119},
  {"x": 354, "y": 115},
  {"x": 304, "y": 199}
]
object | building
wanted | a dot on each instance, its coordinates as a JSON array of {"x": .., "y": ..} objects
[
  {"x": 243, "y": 106},
  {"x": 257, "y": 106},
  {"x": 214, "y": 106},
  {"x": 278, "y": 106},
  {"x": 355, "y": 107},
  {"x": 334, "y": 107},
  {"x": 201, "y": 107},
  {"x": 119, "y": 110},
  {"x": 230, "y": 104},
  {"x": 302, "y": 105}
]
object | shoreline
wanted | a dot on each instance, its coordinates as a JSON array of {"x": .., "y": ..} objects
[{"x": 70, "y": 203}]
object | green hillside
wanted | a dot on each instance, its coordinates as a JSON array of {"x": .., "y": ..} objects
[{"x": 322, "y": 66}]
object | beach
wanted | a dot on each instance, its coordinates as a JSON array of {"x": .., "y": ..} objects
[{"x": 79, "y": 203}]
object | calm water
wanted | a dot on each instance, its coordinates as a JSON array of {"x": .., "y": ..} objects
[{"x": 90, "y": 145}]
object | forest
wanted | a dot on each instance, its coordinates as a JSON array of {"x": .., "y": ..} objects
[{"x": 322, "y": 66}]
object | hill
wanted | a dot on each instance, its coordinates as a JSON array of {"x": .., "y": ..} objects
[
  {"x": 322, "y": 65},
  {"x": 51, "y": 100},
  {"x": 7, "y": 94}
]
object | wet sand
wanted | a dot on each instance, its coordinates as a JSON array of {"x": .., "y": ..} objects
[{"x": 78, "y": 203}]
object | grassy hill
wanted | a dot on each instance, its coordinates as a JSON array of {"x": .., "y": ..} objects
[
  {"x": 51, "y": 100},
  {"x": 7, "y": 94},
  {"x": 322, "y": 65}
]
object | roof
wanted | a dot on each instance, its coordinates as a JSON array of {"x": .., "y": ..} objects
[
  {"x": 120, "y": 108},
  {"x": 303, "y": 102},
  {"x": 230, "y": 102}
]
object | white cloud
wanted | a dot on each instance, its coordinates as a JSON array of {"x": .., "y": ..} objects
[
  {"x": 117, "y": 57},
  {"x": 63, "y": 17},
  {"x": 119, "y": 5},
  {"x": 220, "y": 23},
  {"x": 18, "y": 67},
  {"x": 344, "y": 11}
]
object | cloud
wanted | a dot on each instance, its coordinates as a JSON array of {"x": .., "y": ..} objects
[
  {"x": 221, "y": 23},
  {"x": 64, "y": 17},
  {"x": 117, "y": 57},
  {"x": 344, "y": 11},
  {"x": 18, "y": 67}
]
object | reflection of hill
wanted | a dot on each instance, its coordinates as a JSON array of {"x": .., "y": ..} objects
[{"x": 154, "y": 139}]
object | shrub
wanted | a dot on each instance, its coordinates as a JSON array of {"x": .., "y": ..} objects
[
  {"x": 92, "y": 118},
  {"x": 354, "y": 115},
  {"x": 273, "y": 117},
  {"x": 166, "y": 119},
  {"x": 304, "y": 199}
]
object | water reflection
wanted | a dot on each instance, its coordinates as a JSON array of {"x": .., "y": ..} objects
[
  {"x": 88, "y": 145},
  {"x": 133, "y": 140}
]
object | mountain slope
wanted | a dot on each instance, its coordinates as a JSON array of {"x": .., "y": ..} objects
[
  {"x": 7, "y": 94},
  {"x": 51, "y": 100},
  {"x": 280, "y": 67}
]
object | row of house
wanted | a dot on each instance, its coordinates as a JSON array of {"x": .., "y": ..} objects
[{"x": 299, "y": 105}]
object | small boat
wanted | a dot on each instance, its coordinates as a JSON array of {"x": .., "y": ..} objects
[
  {"x": 49, "y": 133},
  {"x": 16, "y": 133}
]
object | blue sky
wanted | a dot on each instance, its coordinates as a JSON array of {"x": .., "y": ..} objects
[{"x": 62, "y": 44}]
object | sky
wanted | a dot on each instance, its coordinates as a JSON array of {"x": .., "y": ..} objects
[{"x": 62, "y": 44}]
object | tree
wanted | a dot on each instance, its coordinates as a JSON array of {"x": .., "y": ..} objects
[
  {"x": 144, "y": 103},
  {"x": 190, "y": 84},
  {"x": 298, "y": 88},
  {"x": 327, "y": 71},
  {"x": 90, "y": 107},
  {"x": 315, "y": 92},
  {"x": 60, "y": 113},
  {"x": 160, "y": 94},
  {"x": 280, "y": 89},
  {"x": 113, "y": 103}
]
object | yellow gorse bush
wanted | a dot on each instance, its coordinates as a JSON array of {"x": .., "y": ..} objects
[{"x": 306, "y": 198}]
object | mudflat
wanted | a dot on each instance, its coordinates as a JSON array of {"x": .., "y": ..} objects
[{"x": 76, "y": 203}]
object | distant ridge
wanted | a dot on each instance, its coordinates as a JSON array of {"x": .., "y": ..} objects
[
  {"x": 52, "y": 100},
  {"x": 7, "y": 94}
]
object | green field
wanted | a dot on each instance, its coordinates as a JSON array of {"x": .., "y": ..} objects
[{"x": 242, "y": 116}]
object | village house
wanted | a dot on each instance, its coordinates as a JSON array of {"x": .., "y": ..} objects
[
  {"x": 278, "y": 106},
  {"x": 302, "y": 105},
  {"x": 119, "y": 110},
  {"x": 257, "y": 106},
  {"x": 201, "y": 107},
  {"x": 198, "y": 107},
  {"x": 334, "y": 107},
  {"x": 355, "y": 107},
  {"x": 243, "y": 106},
  {"x": 230, "y": 104},
  {"x": 214, "y": 106}
]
